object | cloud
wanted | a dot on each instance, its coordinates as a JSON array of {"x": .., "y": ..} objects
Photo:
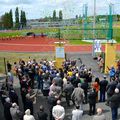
[
  {"x": 70, "y": 8},
  {"x": 15, "y": 2}
]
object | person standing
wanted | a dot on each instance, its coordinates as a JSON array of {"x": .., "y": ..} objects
[
  {"x": 7, "y": 107},
  {"x": 51, "y": 103},
  {"x": 92, "y": 101},
  {"x": 77, "y": 114},
  {"x": 58, "y": 111},
  {"x": 28, "y": 116},
  {"x": 114, "y": 101},
  {"x": 41, "y": 114},
  {"x": 68, "y": 91},
  {"x": 9, "y": 66},
  {"x": 103, "y": 85},
  {"x": 15, "y": 112},
  {"x": 78, "y": 96}
]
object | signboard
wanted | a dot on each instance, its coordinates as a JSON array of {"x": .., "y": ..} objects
[
  {"x": 60, "y": 53},
  {"x": 97, "y": 46}
]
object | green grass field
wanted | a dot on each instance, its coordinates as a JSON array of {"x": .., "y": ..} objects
[{"x": 14, "y": 57}]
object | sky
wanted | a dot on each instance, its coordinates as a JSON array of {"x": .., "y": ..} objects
[{"x": 40, "y": 8}]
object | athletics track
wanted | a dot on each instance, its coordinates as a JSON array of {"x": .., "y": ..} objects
[{"x": 40, "y": 44}]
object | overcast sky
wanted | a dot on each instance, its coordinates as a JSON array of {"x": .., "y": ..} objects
[{"x": 41, "y": 8}]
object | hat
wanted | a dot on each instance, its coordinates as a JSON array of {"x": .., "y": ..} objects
[{"x": 116, "y": 90}]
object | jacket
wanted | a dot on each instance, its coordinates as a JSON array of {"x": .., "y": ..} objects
[
  {"x": 28, "y": 117},
  {"x": 42, "y": 115},
  {"x": 78, "y": 94},
  {"x": 114, "y": 100},
  {"x": 92, "y": 97},
  {"x": 58, "y": 112},
  {"x": 77, "y": 114},
  {"x": 103, "y": 85},
  {"x": 99, "y": 117}
]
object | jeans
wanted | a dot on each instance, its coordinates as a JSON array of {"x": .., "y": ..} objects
[
  {"x": 102, "y": 96},
  {"x": 114, "y": 113}
]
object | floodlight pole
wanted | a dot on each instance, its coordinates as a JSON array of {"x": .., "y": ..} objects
[
  {"x": 110, "y": 33},
  {"x": 94, "y": 22},
  {"x": 94, "y": 26}
]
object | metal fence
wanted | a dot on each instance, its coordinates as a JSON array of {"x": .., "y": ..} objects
[{"x": 80, "y": 34}]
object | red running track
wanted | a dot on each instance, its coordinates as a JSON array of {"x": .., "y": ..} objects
[{"x": 40, "y": 44}]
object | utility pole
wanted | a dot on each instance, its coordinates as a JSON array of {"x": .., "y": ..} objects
[{"x": 94, "y": 27}]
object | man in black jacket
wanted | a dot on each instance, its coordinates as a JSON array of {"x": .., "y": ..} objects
[
  {"x": 7, "y": 107},
  {"x": 103, "y": 84},
  {"x": 114, "y": 102},
  {"x": 92, "y": 101},
  {"x": 52, "y": 99},
  {"x": 41, "y": 114}
]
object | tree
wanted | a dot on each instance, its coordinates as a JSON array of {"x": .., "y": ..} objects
[
  {"x": 23, "y": 19},
  {"x": 54, "y": 15},
  {"x": 60, "y": 15},
  {"x": 11, "y": 18},
  {"x": 76, "y": 16},
  {"x": 17, "y": 24},
  {"x": 6, "y": 21}
]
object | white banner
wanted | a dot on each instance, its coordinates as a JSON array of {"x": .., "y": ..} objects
[{"x": 97, "y": 46}]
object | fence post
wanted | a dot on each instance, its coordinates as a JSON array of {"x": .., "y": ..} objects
[{"x": 5, "y": 66}]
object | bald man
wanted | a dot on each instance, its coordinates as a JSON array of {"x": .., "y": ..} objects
[{"x": 100, "y": 115}]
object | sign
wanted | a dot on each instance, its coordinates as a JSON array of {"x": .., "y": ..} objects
[
  {"x": 60, "y": 53},
  {"x": 97, "y": 46}
]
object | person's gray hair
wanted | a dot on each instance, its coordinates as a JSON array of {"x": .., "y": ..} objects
[
  {"x": 14, "y": 105},
  {"x": 116, "y": 90},
  {"x": 7, "y": 99},
  {"x": 79, "y": 84},
  {"x": 28, "y": 96}
]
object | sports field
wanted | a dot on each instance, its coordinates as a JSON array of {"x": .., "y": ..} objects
[{"x": 73, "y": 34}]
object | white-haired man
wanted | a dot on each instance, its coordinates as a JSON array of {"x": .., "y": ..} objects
[
  {"x": 58, "y": 111},
  {"x": 28, "y": 116},
  {"x": 15, "y": 112},
  {"x": 78, "y": 96}
]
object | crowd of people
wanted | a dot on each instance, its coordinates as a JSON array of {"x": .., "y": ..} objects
[{"x": 76, "y": 84}]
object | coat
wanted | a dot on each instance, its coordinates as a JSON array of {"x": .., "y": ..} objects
[
  {"x": 78, "y": 94},
  {"x": 92, "y": 97},
  {"x": 28, "y": 117},
  {"x": 77, "y": 114},
  {"x": 42, "y": 115},
  {"x": 15, "y": 113},
  {"x": 99, "y": 117},
  {"x": 103, "y": 85},
  {"x": 114, "y": 100},
  {"x": 7, "y": 114}
]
